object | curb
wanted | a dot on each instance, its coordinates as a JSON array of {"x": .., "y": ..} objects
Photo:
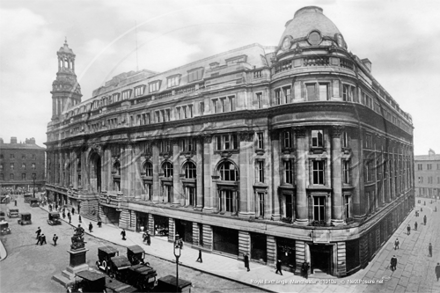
[{"x": 3, "y": 252}]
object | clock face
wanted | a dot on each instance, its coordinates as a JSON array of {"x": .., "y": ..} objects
[{"x": 286, "y": 44}]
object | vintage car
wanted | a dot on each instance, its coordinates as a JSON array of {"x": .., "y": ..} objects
[
  {"x": 4, "y": 228},
  {"x": 25, "y": 219},
  {"x": 91, "y": 281},
  {"x": 136, "y": 255},
  {"x": 105, "y": 253},
  {"x": 5, "y": 199},
  {"x": 54, "y": 218},
  {"x": 2, "y": 216},
  {"x": 34, "y": 202},
  {"x": 27, "y": 197},
  {"x": 13, "y": 213},
  {"x": 118, "y": 268},
  {"x": 168, "y": 284},
  {"x": 142, "y": 277}
]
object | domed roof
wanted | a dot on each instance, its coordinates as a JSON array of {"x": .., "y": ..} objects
[
  {"x": 306, "y": 20},
  {"x": 65, "y": 49}
]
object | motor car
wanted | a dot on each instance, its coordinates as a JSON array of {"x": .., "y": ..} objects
[
  {"x": 136, "y": 255},
  {"x": 54, "y": 218},
  {"x": 92, "y": 281},
  {"x": 118, "y": 268},
  {"x": 13, "y": 213},
  {"x": 105, "y": 253},
  {"x": 141, "y": 276},
  {"x": 34, "y": 202},
  {"x": 27, "y": 197},
  {"x": 168, "y": 284},
  {"x": 25, "y": 219},
  {"x": 2, "y": 216},
  {"x": 4, "y": 228},
  {"x": 5, "y": 199}
]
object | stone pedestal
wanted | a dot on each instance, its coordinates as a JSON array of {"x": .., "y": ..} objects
[{"x": 77, "y": 264}]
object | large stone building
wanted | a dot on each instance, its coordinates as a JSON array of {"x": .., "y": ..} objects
[
  {"x": 427, "y": 175},
  {"x": 21, "y": 165},
  {"x": 293, "y": 152}
]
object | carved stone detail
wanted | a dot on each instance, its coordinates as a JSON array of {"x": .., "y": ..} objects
[
  {"x": 300, "y": 131},
  {"x": 337, "y": 130},
  {"x": 246, "y": 135}
]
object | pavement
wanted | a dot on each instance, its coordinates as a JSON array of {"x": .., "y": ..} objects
[{"x": 414, "y": 273}]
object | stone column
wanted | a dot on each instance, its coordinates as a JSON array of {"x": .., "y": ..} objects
[
  {"x": 207, "y": 237},
  {"x": 275, "y": 140},
  {"x": 209, "y": 190},
  {"x": 337, "y": 203},
  {"x": 246, "y": 175},
  {"x": 156, "y": 171},
  {"x": 200, "y": 174},
  {"x": 151, "y": 224},
  {"x": 300, "y": 254},
  {"x": 177, "y": 190},
  {"x": 271, "y": 245},
  {"x": 301, "y": 177},
  {"x": 356, "y": 171},
  {"x": 195, "y": 233}
]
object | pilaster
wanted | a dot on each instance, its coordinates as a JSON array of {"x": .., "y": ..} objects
[
  {"x": 337, "y": 203},
  {"x": 246, "y": 175},
  {"x": 200, "y": 173},
  {"x": 301, "y": 175},
  {"x": 275, "y": 141},
  {"x": 209, "y": 190},
  {"x": 271, "y": 250},
  {"x": 177, "y": 189},
  {"x": 244, "y": 244},
  {"x": 156, "y": 171},
  {"x": 207, "y": 237}
]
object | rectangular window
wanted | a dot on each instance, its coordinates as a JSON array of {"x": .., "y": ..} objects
[
  {"x": 317, "y": 138},
  {"x": 232, "y": 102},
  {"x": 12, "y": 166},
  {"x": 346, "y": 93},
  {"x": 116, "y": 97},
  {"x": 23, "y": 176},
  {"x": 286, "y": 93},
  {"x": 195, "y": 74},
  {"x": 33, "y": 166},
  {"x": 222, "y": 105},
  {"x": 419, "y": 167},
  {"x": 260, "y": 140},
  {"x": 202, "y": 108},
  {"x": 167, "y": 114},
  {"x": 278, "y": 97},
  {"x": 318, "y": 172},
  {"x": 347, "y": 204},
  {"x": 226, "y": 142},
  {"x": 288, "y": 171},
  {"x": 319, "y": 208},
  {"x": 345, "y": 141},
  {"x": 139, "y": 91},
  {"x": 154, "y": 86},
  {"x": 173, "y": 81},
  {"x": 323, "y": 92},
  {"x": 346, "y": 172},
  {"x": 259, "y": 101},
  {"x": 190, "y": 111},
  {"x": 178, "y": 113},
  {"x": 157, "y": 116},
  {"x": 311, "y": 92},
  {"x": 126, "y": 94},
  {"x": 429, "y": 180},
  {"x": 216, "y": 105},
  {"x": 260, "y": 171},
  {"x": 260, "y": 212},
  {"x": 429, "y": 166},
  {"x": 287, "y": 139}
]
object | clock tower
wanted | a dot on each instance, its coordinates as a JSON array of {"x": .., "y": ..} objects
[{"x": 66, "y": 91}]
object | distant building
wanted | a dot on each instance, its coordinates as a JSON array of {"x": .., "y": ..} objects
[
  {"x": 293, "y": 152},
  {"x": 20, "y": 164},
  {"x": 427, "y": 175}
]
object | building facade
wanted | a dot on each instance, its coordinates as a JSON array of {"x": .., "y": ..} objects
[
  {"x": 427, "y": 175},
  {"x": 293, "y": 152},
  {"x": 21, "y": 165}
]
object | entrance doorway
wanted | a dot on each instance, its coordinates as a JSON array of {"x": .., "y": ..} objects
[{"x": 321, "y": 258}]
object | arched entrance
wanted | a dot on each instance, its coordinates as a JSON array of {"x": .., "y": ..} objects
[{"x": 95, "y": 172}]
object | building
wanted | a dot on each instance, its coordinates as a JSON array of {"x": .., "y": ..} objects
[
  {"x": 293, "y": 152},
  {"x": 427, "y": 175},
  {"x": 21, "y": 165}
]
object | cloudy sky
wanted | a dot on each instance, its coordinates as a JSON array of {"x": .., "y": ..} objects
[{"x": 401, "y": 38}]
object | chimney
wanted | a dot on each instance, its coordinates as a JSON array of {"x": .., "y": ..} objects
[
  {"x": 13, "y": 140},
  {"x": 367, "y": 63}
]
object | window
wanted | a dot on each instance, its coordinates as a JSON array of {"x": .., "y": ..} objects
[
  {"x": 260, "y": 140},
  {"x": 23, "y": 157},
  {"x": 317, "y": 138},
  {"x": 11, "y": 176},
  {"x": 139, "y": 91},
  {"x": 430, "y": 180},
  {"x": 226, "y": 200},
  {"x": 260, "y": 205},
  {"x": 126, "y": 94},
  {"x": 368, "y": 143},
  {"x": 23, "y": 176},
  {"x": 278, "y": 97},
  {"x": 260, "y": 171},
  {"x": 347, "y": 204},
  {"x": 190, "y": 170},
  {"x": 33, "y": 166},
  {"x": 148, "y": 169},
  {"x": 178, "y": 113},
  {"x": 259, "y": 100},
  {"x": 288, "y": 171},
  {"x": 165, "y": 146},
  {"x": 116, "y": 97},
  {"x": 323, "y": 92},
  {"x": 12, "y": 166},
  {"x": 429, "y": 166},
  {"x": 311, "y": 92},
  {"x": 318, "y": 172},
  {"x": 173, "y": 81},
  {"x": 216, "y": 105},
  {"x": 319, "y": 208},
  {"x": 23, "y": 166},
  {"x": 286, "y": 139},
  {"x": 235, "y": 60},
  {"x": 346, "y": 172},
  {"x": 232, "y": 102},
  {"x": 228, "y": 171},
  {"x": 286, "y": 94},
  {"x": 149, "y": 190},
  {"x": 347, "y": 93},
  {"x": 12, "y": 156},
  {"x": 187, "y": 145},
  {"x": 195, "y": 74},
  {"x": 154, "y": 86},
  {"x": 202, "y": 108},
  {"x": 345, "y": 140},
  {"x": 227, "y": 142},
  {"x": 419, "y": 167},
  {"x": 167, "y": 169}
]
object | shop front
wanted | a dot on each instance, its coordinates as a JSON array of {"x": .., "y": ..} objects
[
  {"x": 161, "y": 225},
  {"x": 184, "y": 229},
  {"x": 286, "y": 253},
  {"x": 141, "y": 221},
  {"x": 258, "y": 247},
  {"x": 225, "y": 240}
]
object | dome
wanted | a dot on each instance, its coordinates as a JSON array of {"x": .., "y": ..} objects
[
  {"x": 65, "y": 49},
  {"x": 307, "y": 20}
]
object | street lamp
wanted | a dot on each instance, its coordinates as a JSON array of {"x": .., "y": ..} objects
[
  {"x": 177, "y": 253},
  {"x": 33, "y": 190}
]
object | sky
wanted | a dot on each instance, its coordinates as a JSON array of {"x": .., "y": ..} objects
[{"x": 400, "y": 38}]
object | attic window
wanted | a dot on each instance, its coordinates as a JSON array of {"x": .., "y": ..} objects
[
  {"x": 236, "y": 60},
  {"x": 173, "y": 81},
  {"x": 314, "y": 38}
]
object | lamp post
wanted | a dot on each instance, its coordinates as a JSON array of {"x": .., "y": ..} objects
[
  {"x": 177, "y": 253},
  {"x": 33, "y": 189}
]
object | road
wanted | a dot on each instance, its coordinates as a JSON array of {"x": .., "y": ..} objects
[{"x": 30, "y": 267}]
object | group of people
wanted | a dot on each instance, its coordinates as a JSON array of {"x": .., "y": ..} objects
[{"x": 41, "y": 238}]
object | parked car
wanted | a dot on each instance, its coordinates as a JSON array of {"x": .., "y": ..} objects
[
  {"x": 13, "y": 213},
  {"x": 142, "y": 277},
  {"x": 25, "y": 219},
  {"x": 27, "y": 197},
  {"x": 54, "y": 218},
  {"x": 91, "y": 281},
  {"x": 118, "y": 268},
  {"x": 2, "y": 216},
  {"x": 168, "y": 284},
  {"x": 105, "y": 253},
  {"x": 34, "y": 202},
  {"x": 136, "y": 255},
  {"x": 4, "y": 228}
]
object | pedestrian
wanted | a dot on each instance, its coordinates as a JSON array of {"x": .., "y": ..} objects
[
  {"x": 430, "y": 250},
  {"x": 56, "y": 207},
  {"x": 424, "y": 203},
  {"x": 246, "y": 262},
  {"x": 424, "y": 220},
  {"x": 279, "y": 268},
  {"x": 437, "y": 271},
  {"x": 73, "y": 211},
  {"x": 55, "y": 238},
  {"x": 90, "y": 227},
  {"x": 421, "y": 209},
  {"x": 99, "y": 222},
  {"x": 199, "y": 259},
  {"x": 64, "y": 215},
  {"x": 38, "y": 232},
  {"x": 435, "y": 209},
  {"x": 408, "y": 229},
  {"x": 396, "y": 244},
  {"x": 15, "y": 202},
  {"x": 50, "y": 207},
  {"x": 79, "y": 219},
  {"x": 123, "y": 234},
  {"x": 305, "y": 270},
  {"x": 393, "y": 263},
  {"x": 70, "y": 217},
  {"x": 43, "y": 239},
  {"x": 148, "y": 239},
  {"x": 39, "y": 239},
  {"x": 415, "y": 226}
]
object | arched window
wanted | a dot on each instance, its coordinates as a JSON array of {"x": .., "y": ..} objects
[
  {"x": 167, "y": 168},
  {"x": 148, "y": 169},
  {"x": 228, "y": 171},
  {"x": 190, "y": 170}
]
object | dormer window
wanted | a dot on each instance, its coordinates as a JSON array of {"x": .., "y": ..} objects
[
  {"x": 154, "y": 86},
  {"x": 236, "y": 60},
  {"x": 173, "y": 81},
  {"x": 126, "y": 94},
  {"x": 116, "y": 97},
  {"x": 195, "y": 74},
  {"x": 139, "y": 91}
]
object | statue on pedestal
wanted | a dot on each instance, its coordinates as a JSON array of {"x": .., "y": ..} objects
[{"x": 78, "y": 238}]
